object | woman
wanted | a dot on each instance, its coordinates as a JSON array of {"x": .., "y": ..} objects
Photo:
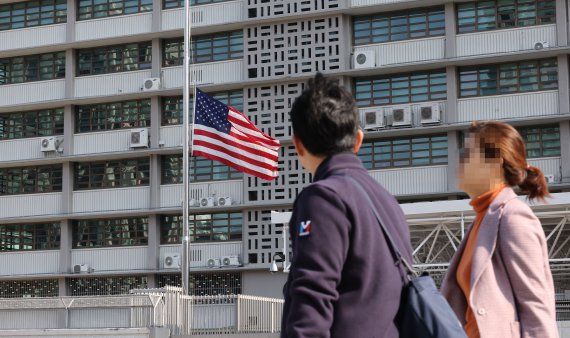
[{"x": 499, "y": 282}]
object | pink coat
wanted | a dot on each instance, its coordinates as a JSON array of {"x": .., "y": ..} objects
[{"x": 512, "y": 292}]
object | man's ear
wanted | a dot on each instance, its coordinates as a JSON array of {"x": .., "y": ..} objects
[
  {"x": 359, "y": 137},
  {"x": 298, "y": 146}
]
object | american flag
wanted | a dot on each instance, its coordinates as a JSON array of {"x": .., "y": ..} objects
[{"x": 223, "y": 134}]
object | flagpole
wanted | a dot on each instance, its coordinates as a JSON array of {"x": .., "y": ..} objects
[{"x": 185, "y": 162}]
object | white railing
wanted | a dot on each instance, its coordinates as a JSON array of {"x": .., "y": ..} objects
[
  {"x": 201, "y": 253},
  {"x": 122, "y": 25},
  {"x": 33, "y": 36},
  {"x": 171, "y": 194},
  {"x": 406, "y": 51},
  {"x": 30, "y": 92},
  {"x": 205, "y": 15}
]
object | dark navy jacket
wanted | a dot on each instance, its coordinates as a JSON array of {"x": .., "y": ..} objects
[{"x": 343, "y": 281}]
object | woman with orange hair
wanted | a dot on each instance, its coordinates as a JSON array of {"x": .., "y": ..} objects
[{"x": 499, "y": 282}]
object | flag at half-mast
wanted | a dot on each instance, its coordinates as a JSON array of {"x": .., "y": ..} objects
[{"x": 222, "y": 133}]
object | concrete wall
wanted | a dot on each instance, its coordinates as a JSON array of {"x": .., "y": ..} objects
[{"x": 264, "y": 283}]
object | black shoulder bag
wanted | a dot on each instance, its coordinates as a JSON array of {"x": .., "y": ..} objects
[{"x": 423, "y": 311}]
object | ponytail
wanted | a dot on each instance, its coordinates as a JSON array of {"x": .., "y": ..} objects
[{"x": 534, "y": 184}]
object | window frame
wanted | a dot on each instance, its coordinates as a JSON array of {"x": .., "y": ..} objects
[
  {"x": 397, "y": 151},
  {"x": 394, "y": 30},
  {"x": 32, "y": 68},
  {"x": 201, "y": 226},
  {"x": 223, "y": 46},
  {"x": 28, "y": 14},
  {"x": 31, "y": 180},
  {"x": 29, "y": 124},
  {"x": 110, "y": 232},
  {"x": 30, "y": 234},
  {"x": 111, "y": 8},
  {"x": 113, "y": 59},
  {"x": 99, "y": 177},
  {"x": 542, "y": 133},
  {"x": 201, "y": 170},
  {"x": 394, "y": 83},
  {"x": 496, "y": 8},
  {"x": 112, "y": 116},
  {"x": 474, "y": 73}
]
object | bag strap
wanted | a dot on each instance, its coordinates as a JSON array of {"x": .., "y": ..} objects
[{"x": 408, "y": 267}]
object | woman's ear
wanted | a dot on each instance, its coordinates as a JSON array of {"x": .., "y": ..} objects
[{"x": 359, "y": 137}]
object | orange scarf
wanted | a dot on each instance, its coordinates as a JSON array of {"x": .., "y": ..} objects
[{"x": 480, "y": 205}]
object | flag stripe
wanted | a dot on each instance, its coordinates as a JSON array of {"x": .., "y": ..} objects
[
  {"x": 241, "y": 122},
  {"x": 200, "y": 150},
  {"x": 239, "y": 154},
  {"x": 201, "y": 132}
]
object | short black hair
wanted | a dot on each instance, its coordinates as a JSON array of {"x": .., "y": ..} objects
[{"x": 324, "y": 117}]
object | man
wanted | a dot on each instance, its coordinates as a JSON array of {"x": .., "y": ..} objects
[{"x": 344, "y": 281}]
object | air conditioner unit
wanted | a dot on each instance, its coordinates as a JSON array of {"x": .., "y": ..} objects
[
  {"x": 152, "y": 83},
  {"x": 401, "y": 116},
  {"x": 78, "y": 268},
  {"x": 430, "y": 113},
  {"x": 171, "y": 261},
  {"x": 224, "y": 201},
  {"x": 207, "y": 202},
  {"x": 230, "y": 260},
  {"x": 194, "y": 203},
  {"x": 139, "y": 138},
  {"x": 214, "y": 263},
  {"x": 48, "y": 144},
  {"x": 549, "y": 178},
  {"x": 541, "y": 45},
  {"x": 364, "y": 59},
  {"x": 372, "y": 118}
]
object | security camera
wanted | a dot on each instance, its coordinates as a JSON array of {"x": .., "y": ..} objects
[{"x": 273, "y": 268}]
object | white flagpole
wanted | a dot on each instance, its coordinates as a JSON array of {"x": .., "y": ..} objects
[{"x": 185, "y": 163}]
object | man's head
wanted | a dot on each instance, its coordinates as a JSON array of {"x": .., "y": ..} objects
[{"x": 325, "y": 120}]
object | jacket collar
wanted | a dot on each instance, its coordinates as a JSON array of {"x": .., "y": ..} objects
[{"x": 337, "y": 162}]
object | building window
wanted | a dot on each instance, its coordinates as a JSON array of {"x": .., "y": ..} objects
[
  {"x": 115, "y": 59},
  {"x": 167, "y": 4},
  {"x": 93, "y": 9},
  {"x": 201, "y": 169},
  {"x": 206, "y": 283},
  {"x": 31, "y": 124},
  {"x": 112, "y": 174},
  {"x": 543, "y": 141},
  {"x": 30, "y": 180},
  {"x": 508, "y": 78},
  {"x": 30, "y": 236},
  {"x": 109, "y": 116},
  {"x": 205, "y": 48},
  {"x": 110, "y": 232},
  {"x": 29, "y": 288},
  {"x": 396, "y": 26},
  {"x": 172, "y": 106},
  {"x": 402, "y": 88},
  {"x": 404, "y": 152},
  {"x": 499, "y": 14},
  {"x": 31, "y": 68},
  {"x": 202, "y": 227},
  {"x": 32, "y": 13},
  {"x": 105, "y": 286}
]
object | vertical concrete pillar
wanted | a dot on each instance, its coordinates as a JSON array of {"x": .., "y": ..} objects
[{"x": 450, "y": 34}]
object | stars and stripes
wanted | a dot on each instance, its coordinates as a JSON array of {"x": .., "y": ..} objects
[{"x": 223, "y": 134}]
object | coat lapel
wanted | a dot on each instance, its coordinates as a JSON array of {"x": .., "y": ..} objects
[{"x": 487, "y": 237}]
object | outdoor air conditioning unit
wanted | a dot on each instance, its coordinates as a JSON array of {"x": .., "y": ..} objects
[
  {"x": 152, "y": 83},
  {"x": 214, "y": 263},
  {"x": 171, "y": 261},
  {"x": 541, "y": 45},
  {"x": 230, "y": 260},
  {"x": 194, "y": 202},
  {"x": 372, "y": 118},
  {"x": 549, "y": 178},
  {"x": 401, "y": 116},
  {"x": 224, "y": 201},
  {"x": 207, "y": 202},
  {"x": 79, "y": 268},
  {"x": 364, "y": 59},
  {"x": 430, "y": 113},
  {"x": 139, "y": 138},
  {"x": 48, "y": 144}
]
